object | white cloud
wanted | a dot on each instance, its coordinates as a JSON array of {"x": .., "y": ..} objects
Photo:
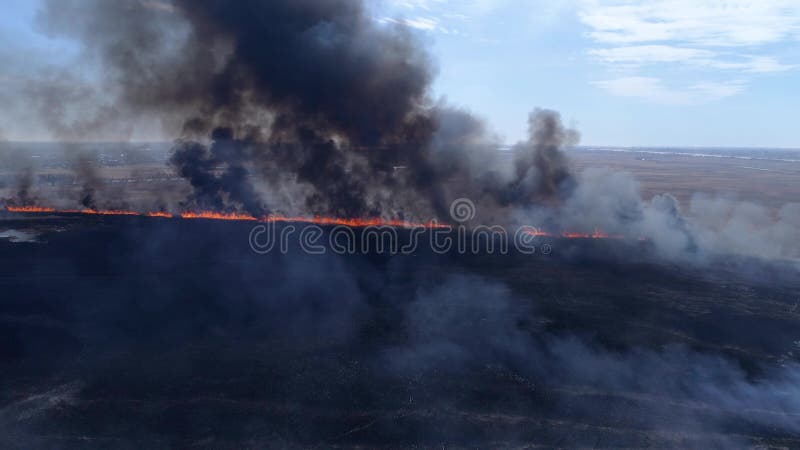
[
  {"x": 456, "y": 16},
  {"x": 701, "y": 22},
  {"x": 756, "y": 64},
  {"x": 636, "y": 55},
  {"x": 424, "y": 15},
  {"x": 654, "y": 90},
  {"x": 464, "y": 7},
  {"x": 426, "y": 5},
  {"x": 704, "y": 35},
  {"x": 710, "y": 91},
  {"x": 639, "y": 54},
  {"x": 420, "y": 23}
]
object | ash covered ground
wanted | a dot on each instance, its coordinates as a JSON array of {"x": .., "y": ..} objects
[{"x": 124, "y": 332}]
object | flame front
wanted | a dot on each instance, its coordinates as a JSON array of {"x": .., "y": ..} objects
[
  {"x": 596, "y": 234},
  {"x": 317, "y": 220},
  {"x": 29, "y": 209},
  {"x": 211, "y": 215},
  {"x": 216, "y": 216}
]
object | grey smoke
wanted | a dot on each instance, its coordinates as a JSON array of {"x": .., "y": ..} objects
[
  {"x": 541, "y": 168},
  {"x": 467, "y": 322},
  {"x": 24, "y": 187},
  {"x": 711, "y": 226},
  {"x": 89, "y": 182},
  {"x": 746, "y": 228},
  {"x": 73, "y": 109}
]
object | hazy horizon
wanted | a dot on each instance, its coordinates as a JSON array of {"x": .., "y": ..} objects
[{"x": 501, "y": 146}]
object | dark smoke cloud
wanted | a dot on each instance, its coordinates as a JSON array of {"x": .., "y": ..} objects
[
  {"x": 320, "y": 66},
  {"x": 90, "y": 183},
  {"x": 548, "y": 137},
  {"x": 541, "y": 170},
  {"x": 217, "y": 173},
  {"x": 316, "y": 89},
  {"x": 319, "y": 77}
]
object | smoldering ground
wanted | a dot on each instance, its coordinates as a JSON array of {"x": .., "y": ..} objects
[{"x": 215, "y": 346}]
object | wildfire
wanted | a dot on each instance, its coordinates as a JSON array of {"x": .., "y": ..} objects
[
  {"x": 210, "y": 215},
  {"x": 107, "y": 212},
  {"x": 161, "y": 214},
  {"x": 29, "y": 209},
  {"x": 596, "y": 234},
  {"x": 356, "y": 223},
  {"x": 317, "y": 220},
  {"x": 217, "y": 216}
]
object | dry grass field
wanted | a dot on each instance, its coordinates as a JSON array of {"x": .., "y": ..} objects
[{"x": 770, "y": 183}]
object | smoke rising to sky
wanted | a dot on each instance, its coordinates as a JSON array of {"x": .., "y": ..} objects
[{"x": 319, "y": 103}]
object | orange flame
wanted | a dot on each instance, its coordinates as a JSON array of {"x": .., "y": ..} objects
[
  {"x": 110, "y": 212},
  {"x": 596, "y": 234},
  {"x": 535, "y": 232},
  {"x": 29, "y": 209},
  {"x": 216, "y": 216},
  {"x": 161, "y": 214},
  {"x": 355, "y": 223},
  {"x": 210, "y": 215},
  {"x": 317, "y": 220}
]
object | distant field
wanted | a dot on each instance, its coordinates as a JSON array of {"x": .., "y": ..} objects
[
  {"x": 768, "y": 177},
  {"x": 771, "y": 183}
]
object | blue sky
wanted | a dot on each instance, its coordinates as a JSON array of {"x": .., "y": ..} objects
[{"x": 659, "y": 72}]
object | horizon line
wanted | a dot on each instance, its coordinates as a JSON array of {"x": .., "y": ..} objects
[{"x": 501, "y": 146}]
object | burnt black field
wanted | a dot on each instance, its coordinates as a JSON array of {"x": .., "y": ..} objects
[{"x": 123, "y": 332}]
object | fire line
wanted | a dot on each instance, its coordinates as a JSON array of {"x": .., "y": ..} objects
[
  {"x": 210, "y": 215},
  {"x": 317, "y": 220}
]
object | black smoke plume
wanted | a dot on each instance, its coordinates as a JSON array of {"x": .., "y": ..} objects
[
  {"x": 541, "y": 171},
  {"x": 89, "y": 181},
  {"x": 217, "y": 172},
  {"x": 315, "y": 89}
]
